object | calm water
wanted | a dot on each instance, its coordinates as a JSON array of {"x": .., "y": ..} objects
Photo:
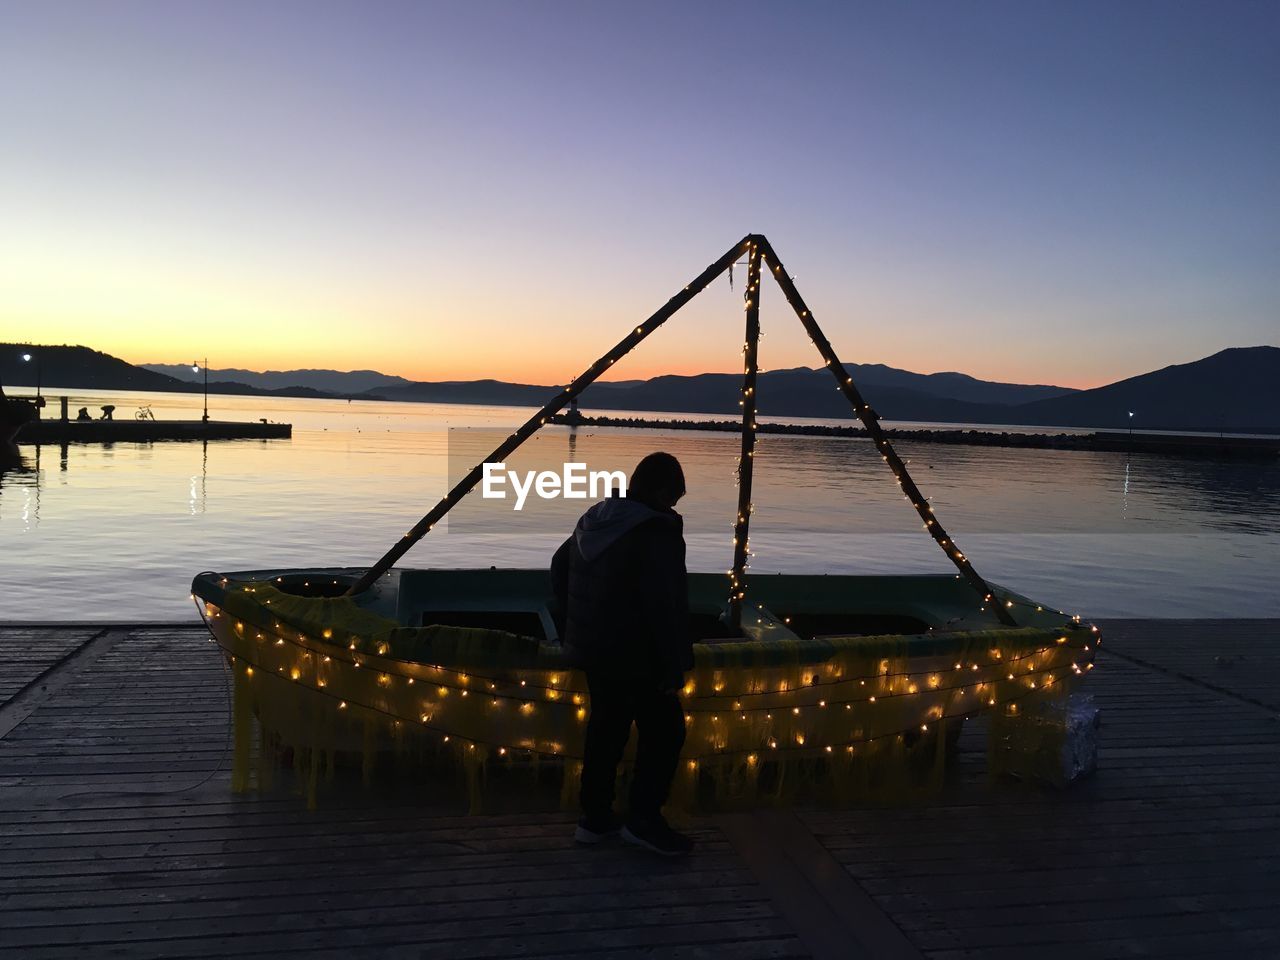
[{"x": 116, "y": 532}]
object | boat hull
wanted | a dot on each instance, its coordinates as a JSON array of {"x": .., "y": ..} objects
[{"x": 331, "y": 674}]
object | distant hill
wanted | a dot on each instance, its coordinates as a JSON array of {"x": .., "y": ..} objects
[
  {"x": 952, "y": 386},
  {"x": 800, "y": 392},
  {"x": 495, "y": 392},
  {"x": 86, "y": 369},
  {"x": 78, "y": 367},
  {"x": 328, "y": 381},
  {"x": 1234, "y": 391}
]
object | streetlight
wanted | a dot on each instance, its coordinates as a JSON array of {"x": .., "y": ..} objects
[
  {"x": 195, "y": 368},
  {"x": 28, "y": 358}
]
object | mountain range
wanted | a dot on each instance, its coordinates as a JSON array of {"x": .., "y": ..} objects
[
  {"x": 328, "y": 381},
  {"x": 1235, "y": 390}
]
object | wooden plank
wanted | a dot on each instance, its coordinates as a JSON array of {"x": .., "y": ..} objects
[
  {"x": 126, "y": 841},
  {"x": 387, "y": 908},
  {"x": 27, "y": 655},
  {"x": 209, "y": 876},
  {"x": 498, "y": 935},
  {"x": 1239, "y": 657},
  {"x": 428, "y": 885},
  {"x": 833, "y": 916}
]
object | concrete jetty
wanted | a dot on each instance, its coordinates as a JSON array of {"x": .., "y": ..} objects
[{"x": 43, "y": 432}]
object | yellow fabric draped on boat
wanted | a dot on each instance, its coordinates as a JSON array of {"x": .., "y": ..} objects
[{"x": 769, "y": 719}]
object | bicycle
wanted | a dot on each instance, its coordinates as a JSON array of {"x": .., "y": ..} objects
[{"x": 144, "y": 413}]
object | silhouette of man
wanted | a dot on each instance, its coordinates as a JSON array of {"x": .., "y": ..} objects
[{"x": 622, "y": 587}]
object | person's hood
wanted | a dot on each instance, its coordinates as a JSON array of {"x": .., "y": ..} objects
[{"x": 605, "y": 523}]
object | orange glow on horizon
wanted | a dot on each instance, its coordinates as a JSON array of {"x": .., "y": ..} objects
[
  {"x": 542, "y": 370},
  {"x": 546, "y": 347},
  {"x": 133, "y": 309},
  {"x": 540, "y": 362},
  {"x": 141, "y": 298}
]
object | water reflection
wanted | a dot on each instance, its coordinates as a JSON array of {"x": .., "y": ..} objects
[
  {"x": 15, "y": 472},
  {"x": 37, "y": 476},
  {"x": 819, "y": 485},
  {"x": 1098, "y": 531},
  {"x": 1127, "y": 464},
  {"x": 200, "y": 499},
  {"x": 17, "y": 475}
]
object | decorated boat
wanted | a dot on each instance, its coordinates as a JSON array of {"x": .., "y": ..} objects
[{"x": 834, "y": 686}]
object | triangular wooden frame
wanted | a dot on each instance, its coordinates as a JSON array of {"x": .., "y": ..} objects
[{"x": 759, "y": 253}]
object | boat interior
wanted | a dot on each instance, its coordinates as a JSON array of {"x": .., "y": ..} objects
[{"x": 783, "y": 606}]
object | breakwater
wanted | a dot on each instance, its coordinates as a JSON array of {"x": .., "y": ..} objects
[{"x": 1116, "y": 441}]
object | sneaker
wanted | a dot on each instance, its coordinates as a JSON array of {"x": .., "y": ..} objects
[
  {"x": 595, "y": 829},
  {"x": 656, "y": 835}
]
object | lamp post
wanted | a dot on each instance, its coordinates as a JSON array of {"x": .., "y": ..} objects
[
  {"x": 1130, "y": 425},
  {"x": 29, "y": 358},
  {"x": 195, "y": 368}
]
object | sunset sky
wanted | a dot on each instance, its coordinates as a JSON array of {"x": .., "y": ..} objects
[{"x": 1039, "y": 192}]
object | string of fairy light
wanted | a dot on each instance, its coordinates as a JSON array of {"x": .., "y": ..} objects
[
  {"x": 810, "y": 682},
  {"x": 746, "y": 459},
  {"x": 772, "y": 743},
  {"x": 445, "y": 682},
  {"x": 871, "y": 421},
  {"x": 539, "y": 419},
  {"x": 520, "y": 690},
  {"x": 758, "y": 251}
]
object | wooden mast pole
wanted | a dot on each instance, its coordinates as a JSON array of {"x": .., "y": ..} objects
[
  {"x": 871, "y": 421},
  {"x": 746, "y": 459},
  {"x": 531, "y": 426}
]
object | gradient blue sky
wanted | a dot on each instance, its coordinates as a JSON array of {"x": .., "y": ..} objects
[{"x": 1067, "y": 193}]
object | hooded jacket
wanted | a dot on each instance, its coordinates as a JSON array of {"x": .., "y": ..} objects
[{"x": 622, "y": 589}]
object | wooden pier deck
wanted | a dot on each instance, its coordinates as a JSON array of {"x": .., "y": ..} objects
[{"x": 119, "y": 836}]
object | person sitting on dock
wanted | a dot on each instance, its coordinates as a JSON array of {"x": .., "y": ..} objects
[
  {"x": 622, "y": 586},
  {"x": 108, "y": 409},
  {"x": 83, "y": 414}
]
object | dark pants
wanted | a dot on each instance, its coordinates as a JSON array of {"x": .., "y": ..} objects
[{"x": 616, "y": 703}]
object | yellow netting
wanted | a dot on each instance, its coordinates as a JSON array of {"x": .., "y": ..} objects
[{"x": 768, "y": 719}]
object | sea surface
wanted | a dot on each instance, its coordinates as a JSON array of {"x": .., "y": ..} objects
[{"x": 116, "y": 532}]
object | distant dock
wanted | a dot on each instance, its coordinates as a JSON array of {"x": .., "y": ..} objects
[
  {"x": 52, "y": 432},
  {"x": 1120, "y": 441}
]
